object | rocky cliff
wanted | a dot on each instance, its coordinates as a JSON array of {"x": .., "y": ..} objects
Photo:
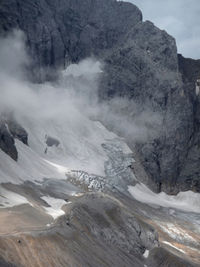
[
  {"x": 9, "y": 131},
  {"x": 141, "y": 63}
]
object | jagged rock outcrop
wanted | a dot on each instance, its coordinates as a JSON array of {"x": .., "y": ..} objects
[
  {"x": 141, "y": 63},
  {"x": 18, "y": 131},
  {"x": 6, "y": 264},
  {"x": 190, "y": 173},
  {"x": 189, "y": 68},
  {"x": 59, "y": 32},
  {"x": 7, "y": 143},
  {"x": 51, "y": 141},
  {"x": 9, "y": 131}
]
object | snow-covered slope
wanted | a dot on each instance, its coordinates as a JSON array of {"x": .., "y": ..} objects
[
  {"x": 59, "y": 112},
  {"x": 92, "y": 155},
  {"x": 64, "y": 139},
  {"x": 79, "y": 149}
]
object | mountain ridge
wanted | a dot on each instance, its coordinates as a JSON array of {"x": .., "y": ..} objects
[{"x": 140, "y": 63}]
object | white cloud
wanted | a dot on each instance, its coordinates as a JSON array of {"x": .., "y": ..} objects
[{"x": 75, "y": 91}]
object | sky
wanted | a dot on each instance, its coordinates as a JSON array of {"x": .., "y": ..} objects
[{"x": 180, "y": 18}]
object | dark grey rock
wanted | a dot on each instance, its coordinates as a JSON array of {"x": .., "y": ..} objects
[
  {"x": 189, "y": 68},
  {"x": 9, "y": 131},
  {"x": 18, "y": 131},
  {"x": 59, "y": 32},
  {"x": 3, "y": 263},
  {"x": 51, "y": 141},
  {"x": 145, "y": 69},
  {"x": 7, "y": 143}
]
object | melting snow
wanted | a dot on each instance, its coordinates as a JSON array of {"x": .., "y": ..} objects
[
  {"x": 176, "y": 232},
  {"x": 9, "y": 199},
  {"x": 186, "y": 201},
  {"x": 146, "y": 253},
  {"x": 56, "y": 206},
  {"x": 169, "y": 244},
  {"x": 77, "y": 151}
]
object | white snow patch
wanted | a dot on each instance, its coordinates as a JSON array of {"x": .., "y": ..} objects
[
  {"x": 60, "y": 168},
  {"x": 10, "y": 199},
  {"x": 77, "y": 194},
  {"x": 176, "y": 232},
  {"x": 80, "y": 145},
  {"x": 30, "y": 166},
  {"x": 171, "y": 245},
  {"x": 186, "y": 201},
  {"x": 56, "y": 206},
  {"x": 78, "y": 150},
  {"x": 146, "y": 253}
]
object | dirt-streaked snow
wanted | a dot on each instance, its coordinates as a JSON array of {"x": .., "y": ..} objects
[
  {"x": 171, "y": 245},
  {"x": 146, "y": 253},
  {"x": 185, "y": 201}
]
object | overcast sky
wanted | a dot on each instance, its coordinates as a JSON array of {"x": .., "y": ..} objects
[{"x": 180, "y": 18}]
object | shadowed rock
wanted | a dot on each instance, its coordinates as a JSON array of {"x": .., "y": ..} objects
[
  {"x": 7, "y": 143},
  {"x": 9, "y": 131},
  {"x": 51, "y": 141},
  {"x": 18, "y": 131}
]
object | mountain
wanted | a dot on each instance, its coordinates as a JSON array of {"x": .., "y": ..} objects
[
  {"x": 99, "y": 138},
  {"x": 141, "y": 64}
]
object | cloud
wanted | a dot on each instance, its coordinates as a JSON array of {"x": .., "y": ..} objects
[
  {"x": 71, "y": 98},
  {"x": 180, "y": 18},
  {"x": 130, "y": 120},
  {"x": 13, "y": 54},
  {"x": 24, "y": 98}
]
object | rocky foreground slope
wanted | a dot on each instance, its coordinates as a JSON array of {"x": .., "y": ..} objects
[
  {"x": 140, "y": 63},
  {"x": 97, "y": 230}
]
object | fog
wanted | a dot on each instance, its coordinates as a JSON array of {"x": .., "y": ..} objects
[{"x": 72, "y": 96}]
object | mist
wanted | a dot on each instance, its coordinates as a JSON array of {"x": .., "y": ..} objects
[{"x": 70, "y": 99}]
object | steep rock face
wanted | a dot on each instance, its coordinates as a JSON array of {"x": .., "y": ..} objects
[
  {"x": 18, "y": 131},
  {"x": 145, "y": 69},
  {"x": 9, "y": 130},
  {"x": 190, "y": 173},
  {"x": 59, "y": 32},
  {"x": 7, "y": 143},
  {"x": 140, "y": 63}
]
